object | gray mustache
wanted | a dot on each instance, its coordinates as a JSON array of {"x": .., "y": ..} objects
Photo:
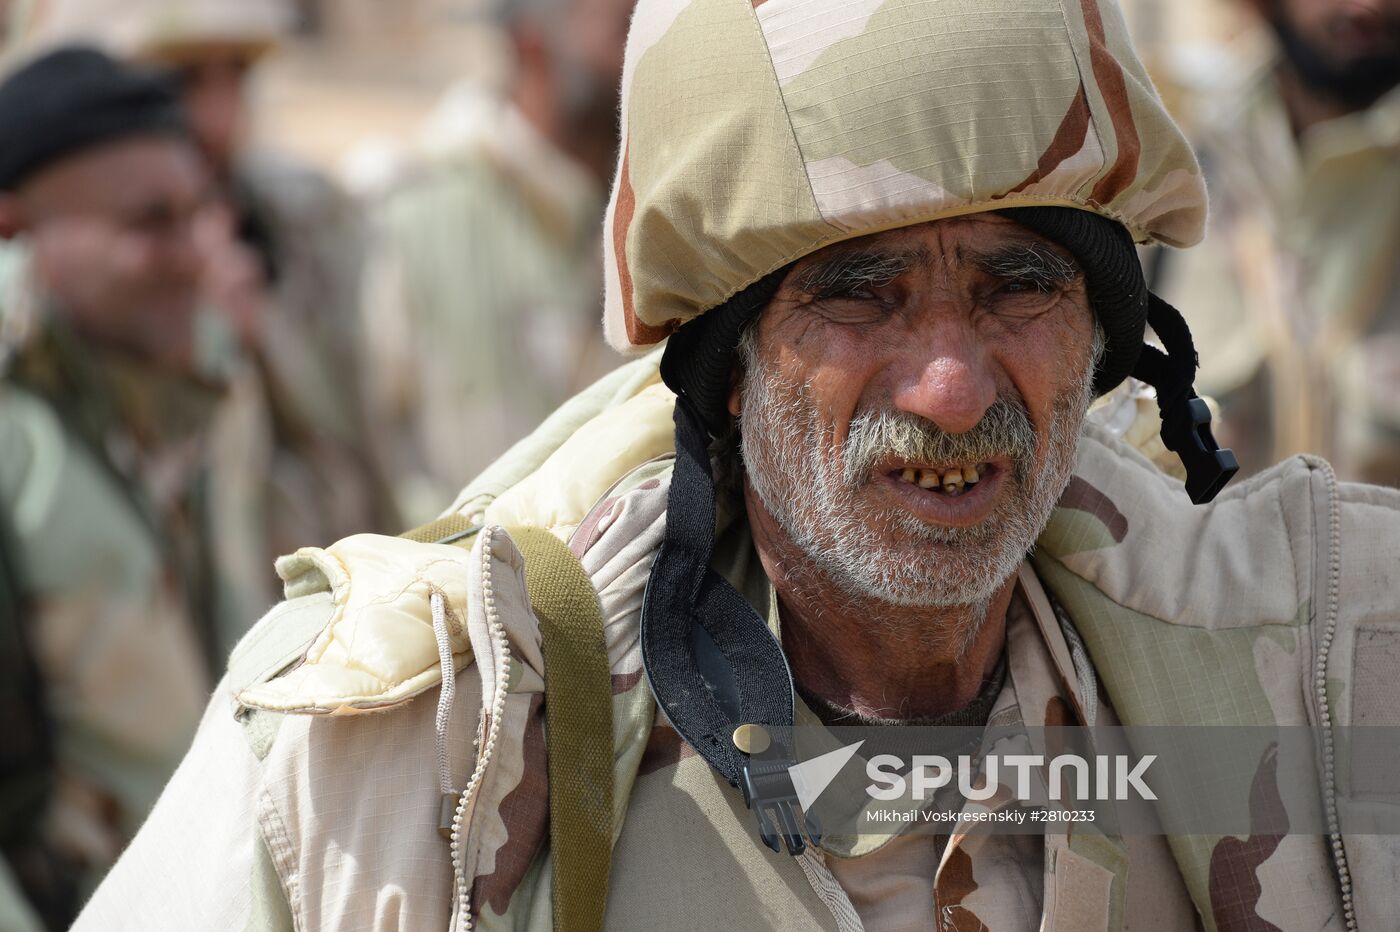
[{"x": 1004, "y": 431}]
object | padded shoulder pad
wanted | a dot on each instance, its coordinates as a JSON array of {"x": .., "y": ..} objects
[{"x": 278, "y": 640}]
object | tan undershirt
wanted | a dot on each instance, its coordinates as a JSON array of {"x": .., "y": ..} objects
[{"x": 893, "y": 887}]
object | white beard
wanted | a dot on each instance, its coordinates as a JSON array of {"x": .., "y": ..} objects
[{"x": 888, "y": 554}]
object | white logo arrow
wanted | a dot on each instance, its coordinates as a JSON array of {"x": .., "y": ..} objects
[{"x": 811, "y": 777}]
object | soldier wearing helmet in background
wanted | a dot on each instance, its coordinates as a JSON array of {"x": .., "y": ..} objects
[
  {"x": 889, "y": 248},
  {"x": 485, "y": 261},
  {"x": 292, "y": 286},
  {"x": 1298, "y": 289}
]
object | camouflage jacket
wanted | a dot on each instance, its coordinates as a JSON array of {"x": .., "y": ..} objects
[
  {"x": 1226, "y": 614},
  {"x": 128, "y": 547}
]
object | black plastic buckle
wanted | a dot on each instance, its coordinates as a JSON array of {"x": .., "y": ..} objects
[
  {"x": 769, "y": 792},
  {"x": 1186, "y": 432}
]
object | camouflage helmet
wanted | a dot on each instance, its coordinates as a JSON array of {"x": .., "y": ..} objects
[{"x": 756, "y": 133}]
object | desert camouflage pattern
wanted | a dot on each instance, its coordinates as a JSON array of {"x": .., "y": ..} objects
[
  {"x": 901, "y": 879},
  {"x": 1296, "y": 291},
  {"x": 1226, "y": 614},
  {"x": 754, "y": 134}
]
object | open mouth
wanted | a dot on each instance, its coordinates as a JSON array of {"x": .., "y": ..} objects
[{"x": 950, "y": 481}]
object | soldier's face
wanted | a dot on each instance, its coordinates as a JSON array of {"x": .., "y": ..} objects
[
  {"x": 585, "y": 42},
  {"x": 1350, "y": 48},
  {"x": 214, "y": 88},
  {"x": 911, "y": 402},
  {"x": 112, "y": 232}
]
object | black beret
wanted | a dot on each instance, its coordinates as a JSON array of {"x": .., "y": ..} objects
[{"x": 73, "y": 98}]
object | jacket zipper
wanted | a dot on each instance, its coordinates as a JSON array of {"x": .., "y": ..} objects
[
  {"x": 1329, "y": 787},
  {"x": 497, "y": 633}
]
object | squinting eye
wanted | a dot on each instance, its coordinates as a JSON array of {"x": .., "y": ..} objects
[
  {"x": 847, "y": 291},
  {"x": 849, "y": 304},
  {"x": 851, "y": 292},
  {"x": 1025, "y": 286}
]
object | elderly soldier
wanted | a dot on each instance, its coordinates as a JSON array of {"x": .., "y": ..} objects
[{"x": 891, "y": 245}]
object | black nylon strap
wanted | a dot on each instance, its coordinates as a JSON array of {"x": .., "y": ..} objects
[
  {"x": 1173, "y": 372},
  {"x": 684, "y": 594},
  {"x": 1185, "y": 417},
  {"x": 699, "y": 357}
]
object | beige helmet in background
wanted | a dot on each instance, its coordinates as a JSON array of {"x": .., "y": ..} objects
[{"x": 164, "y": 31}]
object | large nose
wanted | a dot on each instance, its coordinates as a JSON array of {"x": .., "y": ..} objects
[{"x": 947, "y": 377}]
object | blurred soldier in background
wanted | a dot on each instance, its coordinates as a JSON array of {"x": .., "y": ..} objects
[
  {"x": 294, "y": 291},
  {"x": 126, "y": 473},
  {"x": 485, "y": 272},
  {"x": 1298, "y": 289}
]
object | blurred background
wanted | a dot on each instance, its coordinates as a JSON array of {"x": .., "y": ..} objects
[{"x": 273, "y": 272}]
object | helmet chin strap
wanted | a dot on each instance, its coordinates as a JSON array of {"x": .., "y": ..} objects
[{"x": 1185, "y": 417}]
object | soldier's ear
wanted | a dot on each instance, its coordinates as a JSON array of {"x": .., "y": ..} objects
[
  {"x": 736, "y": 395},
  {"x": 11, "y": 215}
]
